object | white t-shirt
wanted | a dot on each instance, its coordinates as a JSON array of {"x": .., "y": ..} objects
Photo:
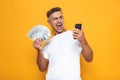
[{"x": 63, "y": 53}]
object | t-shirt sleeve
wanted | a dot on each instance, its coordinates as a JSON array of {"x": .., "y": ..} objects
[
  {"x": 78, "y": 47},
  {"x": 45, "y": 52}
]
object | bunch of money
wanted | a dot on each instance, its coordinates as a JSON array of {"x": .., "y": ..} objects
[{"x": 39, "y": 31}]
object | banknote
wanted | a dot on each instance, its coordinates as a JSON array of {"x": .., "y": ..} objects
[{"x": 39, "y": 31}]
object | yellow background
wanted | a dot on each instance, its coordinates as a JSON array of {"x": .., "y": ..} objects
[{"x": 101, "y": 23}]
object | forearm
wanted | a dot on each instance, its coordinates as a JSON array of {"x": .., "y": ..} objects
[
  {"x": 87, "y": 51},
  {"x": 41, "y": 61}
]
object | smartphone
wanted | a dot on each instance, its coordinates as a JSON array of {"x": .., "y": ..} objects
[{"x": 78, "y": 26}]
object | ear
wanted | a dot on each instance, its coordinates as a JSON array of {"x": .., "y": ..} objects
[{"x": 48, "y": 21}]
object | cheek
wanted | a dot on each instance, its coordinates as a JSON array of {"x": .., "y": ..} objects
[{"x": 53, "y": 23}]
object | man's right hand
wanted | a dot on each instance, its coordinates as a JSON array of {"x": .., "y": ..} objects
[
  {"x": 41, "y": 61},
  {"x": 37, "y": 44}
]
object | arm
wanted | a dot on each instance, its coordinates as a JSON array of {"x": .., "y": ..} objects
[
  {"x": 41, "y": 61},
  {"x": 86, "y": 50}
]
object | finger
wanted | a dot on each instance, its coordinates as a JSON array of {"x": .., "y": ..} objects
[
  {"x": 75, "y": 36},
  {"x": 37, "y": 40},
  {"x": 75, "y": 32}
]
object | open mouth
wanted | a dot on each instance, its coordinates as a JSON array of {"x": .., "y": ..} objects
[{"x": 59, "y": 26}]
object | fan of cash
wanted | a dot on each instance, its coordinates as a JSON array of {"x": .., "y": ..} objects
[{"x": 39, "y": 31}]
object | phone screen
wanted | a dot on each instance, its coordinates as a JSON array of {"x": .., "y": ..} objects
[{"x": 78, "y": 26}]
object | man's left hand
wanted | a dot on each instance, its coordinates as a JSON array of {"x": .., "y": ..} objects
[{"x": 79, "y": 35}]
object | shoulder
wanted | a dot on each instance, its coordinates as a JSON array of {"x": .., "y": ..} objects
[{"x": 69, "y": 31}]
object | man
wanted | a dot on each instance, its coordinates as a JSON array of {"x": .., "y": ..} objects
[{"x": 62, "y": 53}]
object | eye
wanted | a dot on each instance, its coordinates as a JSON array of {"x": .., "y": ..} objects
[
  {"x": 61, "y": 17},
  {"x": 55, "y": 18}
]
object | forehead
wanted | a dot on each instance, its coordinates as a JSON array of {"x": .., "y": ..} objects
[{"x": 56, "y": 14}]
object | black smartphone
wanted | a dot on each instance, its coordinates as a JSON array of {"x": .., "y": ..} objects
[{"x": 78, "y": 26}]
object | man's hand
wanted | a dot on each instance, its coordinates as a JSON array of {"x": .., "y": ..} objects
[
  {"x": 79, "y": 35},
  {"x": 41, "y": 61},
  {"x": 86, "y": 50},
  {"x": 37, "y": 44}
]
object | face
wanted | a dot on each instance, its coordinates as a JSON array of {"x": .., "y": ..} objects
[{"x": 57, "y": 22}]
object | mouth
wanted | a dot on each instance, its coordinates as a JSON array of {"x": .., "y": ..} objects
[{"x": 59, "y": 26}]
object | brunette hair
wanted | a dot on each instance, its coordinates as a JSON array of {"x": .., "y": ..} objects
[{"x": 55, "y": 9}]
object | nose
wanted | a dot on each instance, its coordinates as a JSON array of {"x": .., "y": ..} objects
[{"x": 59, "y": 20}]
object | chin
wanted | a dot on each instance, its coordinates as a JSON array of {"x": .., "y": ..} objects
[{"x": 60, "y": 31}]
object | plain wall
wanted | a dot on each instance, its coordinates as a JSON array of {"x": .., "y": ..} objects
[{"x": 101, "y": 25}]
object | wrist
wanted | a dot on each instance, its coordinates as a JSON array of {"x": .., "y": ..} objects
[
  {"x": 39, "y": 50},
  {"x": 83, "y": 42}
]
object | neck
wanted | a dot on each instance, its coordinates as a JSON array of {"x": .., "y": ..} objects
[{"x": 60, "y": 32}]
